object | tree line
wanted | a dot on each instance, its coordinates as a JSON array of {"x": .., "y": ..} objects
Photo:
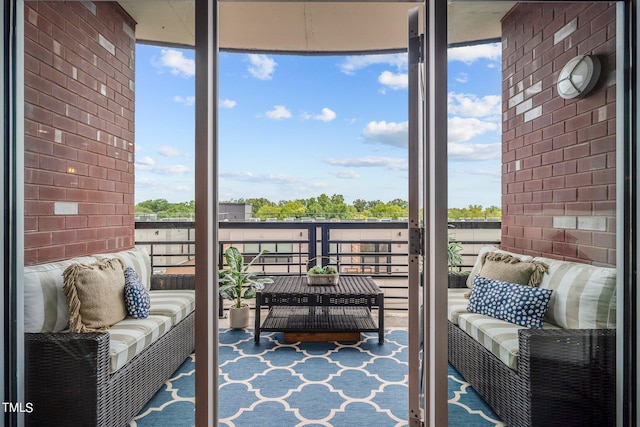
[{"x": 323, "y": 206}]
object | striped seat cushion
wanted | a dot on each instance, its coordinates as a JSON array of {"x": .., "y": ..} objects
[
  {"x": 130, "y": 336},
  {"x": 497, "y": 336},
  {"x": 583, "y": 295},
  {"x": 136, "y": 258},
  {"x": 174, "y": 304},
  {"x": 45, "y": 305},
  {"x": 457, "y": 304}
]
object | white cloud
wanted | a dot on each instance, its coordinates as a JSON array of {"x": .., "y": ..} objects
[
  {"x": 348, "y": 174},
  {"x": 177, "y": 63},
  {"x": 148, "y": 164},
  {"x": 262, "y": 66},
  {"x": 470, "y": 54},
  {"x": 394, "y": 81},
  {"x": 171, "y": 170},
  {"x": 392, "y": 163},
  {"x": 279, "y": 112},
  {"x": 188, "y": 101},
  {"x": 326, "y": 116},
  {"x": 474, "y": 152},
  {"x": 167, "y": 151},
  {"x": 145, "y": 164},
  {"x": 462, "y": 78},
  {"x": 469, "y": 105},
  {"x": 387, "y": 133},
  {"x": 227, "y": 103},
  {"x": 351, "y": 64},
  {"x": 463, "y": 129}
]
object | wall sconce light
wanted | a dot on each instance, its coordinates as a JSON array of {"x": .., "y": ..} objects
[{"x": 578, "y": 77}]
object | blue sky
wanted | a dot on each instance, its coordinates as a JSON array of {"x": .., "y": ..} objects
[{"x": 297, "y": 126}]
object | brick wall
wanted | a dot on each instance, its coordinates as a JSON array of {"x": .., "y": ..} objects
[
  {"x": 79, "y": 129},
  {"x": 558, "y": 156}
]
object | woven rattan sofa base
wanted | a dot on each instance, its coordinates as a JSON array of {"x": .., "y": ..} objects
[
  {"x": 565, "y": 377},
  {"x": 68, "y": 379}
]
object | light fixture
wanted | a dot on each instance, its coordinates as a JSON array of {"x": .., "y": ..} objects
[{"x": 578, "y": 77}]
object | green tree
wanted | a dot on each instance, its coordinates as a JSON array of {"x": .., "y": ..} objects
[
  {"x": 360, "y": 205},
  {"x": 399, "y": 202}
]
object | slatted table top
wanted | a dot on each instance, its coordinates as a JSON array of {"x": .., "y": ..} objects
[{"x": 347, "y": 286}]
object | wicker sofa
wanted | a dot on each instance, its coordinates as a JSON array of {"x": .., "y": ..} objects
[
  {"x": 560, "y": 375},
  {"x": 102, "y": 378}
]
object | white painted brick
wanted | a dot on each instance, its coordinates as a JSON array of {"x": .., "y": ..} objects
[
  {"x": 517, "y": 165},
  {"x": 91, "y": 7},
  {"x": 564, "y": 222},
  {"x": 65, "y": 208},
  {"x": 524, "y": 106},
  {"x": 515, "y": 100},
  {"x": 128, "y": 30},
  {"x": 533, "y": 89},
  {"x": 58, "y": 135},
  {"x": 533, "y": 114},
  {"x": 594, "y": 223},
  {"x": 565, "y": 31},
  {"x": 106, "y": 44}
]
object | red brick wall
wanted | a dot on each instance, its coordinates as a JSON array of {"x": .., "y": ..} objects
[
  {"x": 79, "y": 129},
  {"x": 558, "y": 156}
]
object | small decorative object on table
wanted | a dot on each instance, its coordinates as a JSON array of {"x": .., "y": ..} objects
[{"x": 327, "y": 275}]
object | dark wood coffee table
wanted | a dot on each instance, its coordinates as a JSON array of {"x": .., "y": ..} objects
[{"x": 298, "y": 308}]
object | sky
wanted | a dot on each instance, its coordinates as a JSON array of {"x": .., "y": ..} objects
[{"x": 294, "y": 127}]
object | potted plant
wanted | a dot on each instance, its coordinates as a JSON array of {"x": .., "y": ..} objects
[
  {"x": 238, "y": 283},
  {"x": 327, "y": 275},
  {"x": 457, "y": 277}
]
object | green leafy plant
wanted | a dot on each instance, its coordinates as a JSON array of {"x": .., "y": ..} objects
[
  {"x": 236, "y": 281},
  {"x": 329, "y": 269},
  {"x": 454, "y": 257}
]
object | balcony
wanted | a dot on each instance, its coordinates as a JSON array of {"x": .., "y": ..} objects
[{"x": 376, "y": 249}]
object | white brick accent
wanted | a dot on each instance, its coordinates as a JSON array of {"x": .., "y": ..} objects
[
  {"x": 525, "y": 106},
  {"x": 110, "y": 47},
  {"x": 564, "y": 222},
  {"x": 65, "y": 208},
  {"x": 594, "y": 223},
  {"x": 515, "y": 100},
  {"x": 565, "y": 31},
  {"x": 533, "y": 114}
]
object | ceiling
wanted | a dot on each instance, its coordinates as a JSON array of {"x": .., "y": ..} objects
[{"x": 317, "y": 27}]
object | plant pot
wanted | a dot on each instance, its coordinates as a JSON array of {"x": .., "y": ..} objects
[
  {"x": 239, "y": 317},
  {"x": 458, "y": 280},
  {"x": 322, "y": 279}
]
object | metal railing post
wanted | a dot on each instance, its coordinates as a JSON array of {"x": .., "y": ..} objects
[
  {"x": 312, "y": 236},
  {"x": 325, "y": 230}
]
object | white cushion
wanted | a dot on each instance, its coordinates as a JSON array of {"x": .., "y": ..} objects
[
  {"x": 456, "y": 304},
  {"x": 45, "y": 305},
  {"x": 130, "y": 336},
  {"x": 584, "y": 296},
  {"x": 497, "y": 336},
  {"x": 176, "y": 304},
  {"x": 136, "y": 258}
]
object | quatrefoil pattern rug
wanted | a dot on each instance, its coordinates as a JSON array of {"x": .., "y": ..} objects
[{"x": 309, "y": 384}]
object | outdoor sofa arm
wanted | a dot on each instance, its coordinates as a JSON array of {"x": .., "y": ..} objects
[
  {"x": 63, "y": 367},
  {"x": 173, "y": 281},
  {"x": 572, "y": 373}
]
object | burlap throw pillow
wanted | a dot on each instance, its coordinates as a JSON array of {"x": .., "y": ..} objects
[
  {"x": 95, "y": 295},
  {"x": 507, "y": 268}
]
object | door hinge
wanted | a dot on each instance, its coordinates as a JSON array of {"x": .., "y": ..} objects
[
  {"x": 421, "y": 49},
  {"x": 416, "y": 241},
  {"x": 416, "y": 422}
]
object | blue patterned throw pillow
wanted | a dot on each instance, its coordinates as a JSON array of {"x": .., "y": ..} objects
[
  {"x": 136, "y": 297},
  {"x": 519, "y": 304}
]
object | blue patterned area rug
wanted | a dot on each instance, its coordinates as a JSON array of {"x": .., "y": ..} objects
[{"x": 311, "y": 384}]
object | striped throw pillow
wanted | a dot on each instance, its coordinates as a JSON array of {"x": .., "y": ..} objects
[{"x": 583, "y": 297}]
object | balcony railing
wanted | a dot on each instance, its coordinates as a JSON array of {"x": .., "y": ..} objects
[{"x": 376, "y": 249}]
